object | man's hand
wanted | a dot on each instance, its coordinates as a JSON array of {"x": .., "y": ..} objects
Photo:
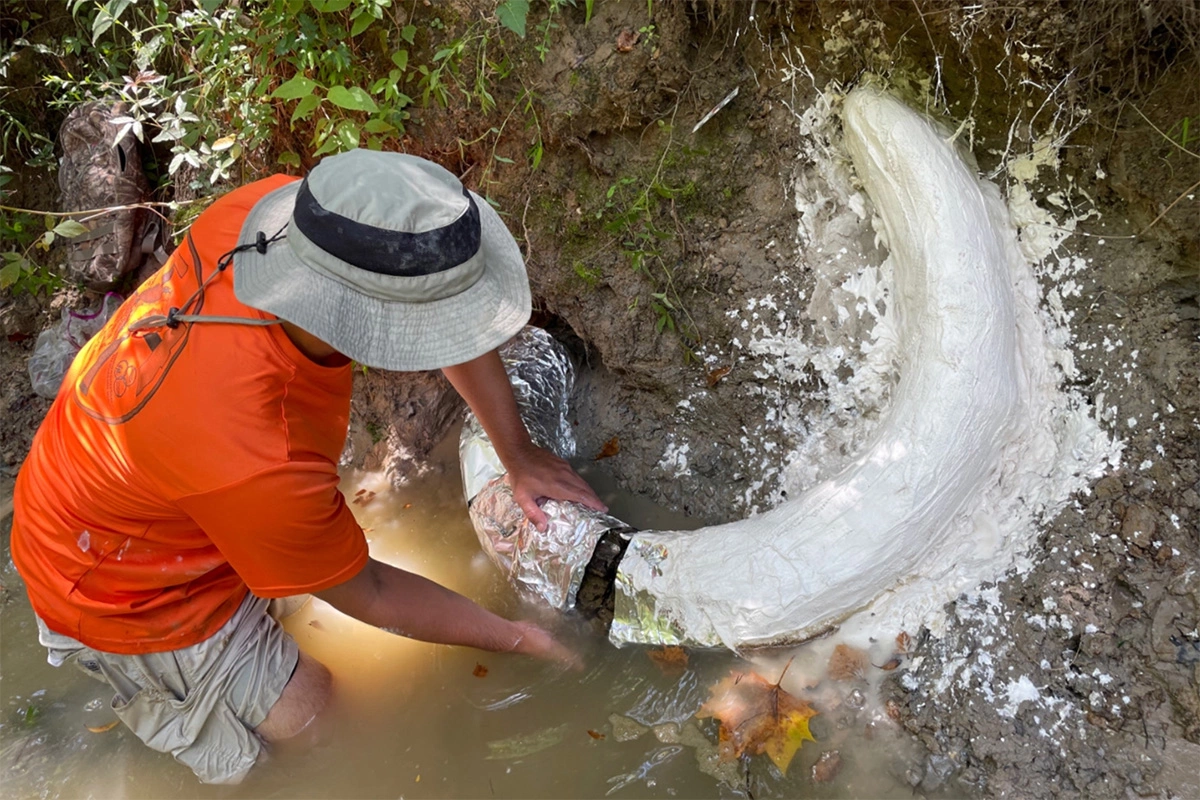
[
  {"x": 536, "y": 641},
  {"x": 533, "y": 473},
  {"x": 539, "y": 474}
]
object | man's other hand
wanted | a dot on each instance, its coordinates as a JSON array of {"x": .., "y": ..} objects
[
  {"x": 539, "y": 474},
  {"x": 536, "y": 641}
]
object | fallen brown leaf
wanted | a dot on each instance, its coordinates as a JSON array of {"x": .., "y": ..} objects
[
  {"x": 758, "y": 717},
  {"x": 610, "y": 449},
  {"x": 104, "y": 728},
  {"x": 903, "y": 643},
  {"x": 626, "y": 39},
  {"x": 407, "y": 506},
  {"x": 891, "y": 663},
  {"x": 893, "y": 710},
  {"x": 847, "y": 663},
  {"x": 480, "y": 671},
  {"x": 827, "y": 766},
  {"x": 362, "y": 497},
  {"x": 595, "y": 734},
  {"x": 716, "y": 375},
  {"x": 671, "y": 660}
]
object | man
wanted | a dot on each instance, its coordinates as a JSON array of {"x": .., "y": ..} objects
[{"x": 187, "y": 470}]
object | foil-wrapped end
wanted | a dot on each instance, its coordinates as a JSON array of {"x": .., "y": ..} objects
[
  {"x": 541, "y": 375},
  {"x": 636, "y": 617},
  {"x": 550, "y": 564}
]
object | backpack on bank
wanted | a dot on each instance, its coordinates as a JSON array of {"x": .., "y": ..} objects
[{"x": 100, "y": 169}]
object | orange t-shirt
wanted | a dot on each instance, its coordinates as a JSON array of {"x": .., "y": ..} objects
[{"x": 180, "y": 467}]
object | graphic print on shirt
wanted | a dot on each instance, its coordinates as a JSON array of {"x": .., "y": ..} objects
[{"x": 128, "y": 371}]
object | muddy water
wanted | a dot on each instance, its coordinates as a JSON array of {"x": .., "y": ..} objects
[{"x": 413, "y": 720}]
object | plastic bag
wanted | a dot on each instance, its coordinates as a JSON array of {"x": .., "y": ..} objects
[{"x": 56, "y": 347}]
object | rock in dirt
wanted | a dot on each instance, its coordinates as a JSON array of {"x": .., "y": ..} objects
[
  {"x": 19, "y": 316},
  {"x": 1108, "y": 487},
  {"x": 1138, "y": 525}
]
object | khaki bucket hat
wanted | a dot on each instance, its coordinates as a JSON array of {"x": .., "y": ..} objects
[{"x": 388, "y": 259}]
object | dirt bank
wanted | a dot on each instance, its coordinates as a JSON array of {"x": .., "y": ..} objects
[{"x": 650, "y": 248}]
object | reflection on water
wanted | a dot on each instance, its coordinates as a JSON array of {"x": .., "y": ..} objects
[{"x": 414, "y": 720}]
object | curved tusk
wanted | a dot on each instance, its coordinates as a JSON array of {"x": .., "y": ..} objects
[{"x": 811, "y": 562}]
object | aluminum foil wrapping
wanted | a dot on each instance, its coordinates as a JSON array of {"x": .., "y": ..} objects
[
  {"x": 636, "y": 619},
  {"x": 550, "y": 564},
  {"x": 541, "y": 375},
  {"x": 547, "y": 564}
]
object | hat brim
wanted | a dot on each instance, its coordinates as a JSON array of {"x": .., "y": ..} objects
[{"x": 381, "y": 333}]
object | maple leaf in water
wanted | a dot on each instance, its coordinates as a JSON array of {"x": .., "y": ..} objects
[{"x": 757, "y": 716}]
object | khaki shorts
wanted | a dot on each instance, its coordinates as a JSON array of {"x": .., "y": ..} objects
[{"x": 201, "y": 703}]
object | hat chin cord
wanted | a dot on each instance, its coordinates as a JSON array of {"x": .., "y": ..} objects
[{"x": 177, "y": 315}]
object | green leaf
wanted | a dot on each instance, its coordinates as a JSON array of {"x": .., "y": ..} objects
[
  {"x": 297, "y": 86},
  {"x": 400, "y": 59},
  {"x": 535, "y": 153},
  {"x": 348, "y": 134},
  {"x": 330, "y": 6},
  {"x": 587, "y": 15},
  {"x": 512, "y": 15},
  {"x": 503, "y": 160},
  {"x": 305, "y": 107},
  {"x": 288, "y": 159},
  {"x": 361, "y": 24},
  {"x": 378, "y": 126},
  {"x": 69, "y": 229},
  {"x": 354, "y": 98},
  {"x": 408, "y": 33},
  {"x": 9, "y": 274},
  {"x": 102, "y": 23}
]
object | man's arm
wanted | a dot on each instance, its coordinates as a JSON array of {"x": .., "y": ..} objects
[
  {"x": 406, "y": 604},
  {"x": 534, "y": 473}
]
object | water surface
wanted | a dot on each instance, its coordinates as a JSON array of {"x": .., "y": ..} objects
[{"x": 415, "y": 720}]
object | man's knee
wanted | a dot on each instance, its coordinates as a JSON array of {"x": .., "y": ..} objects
[{"x": 305, "y": 695}]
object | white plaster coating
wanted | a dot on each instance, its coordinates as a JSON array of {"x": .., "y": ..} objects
[
  {"x": 978, "y": 444},
  {"x": 815, "y": 560}
]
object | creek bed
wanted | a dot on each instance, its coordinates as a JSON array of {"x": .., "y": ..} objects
[{"x": 411, "y": 719}]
